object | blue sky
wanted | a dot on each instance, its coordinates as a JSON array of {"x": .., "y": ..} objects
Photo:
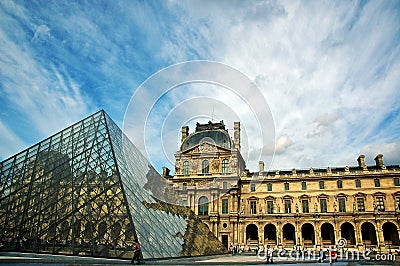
[{"x": 329, "y": 71}]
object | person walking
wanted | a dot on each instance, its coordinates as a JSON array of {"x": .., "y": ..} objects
[{"x": 136, "y": 252}]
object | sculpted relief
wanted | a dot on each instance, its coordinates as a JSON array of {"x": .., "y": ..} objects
[{"x": 215, "y": 165}]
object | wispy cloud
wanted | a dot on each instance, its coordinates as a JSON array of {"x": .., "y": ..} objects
[{"x": 330, "y": 71}]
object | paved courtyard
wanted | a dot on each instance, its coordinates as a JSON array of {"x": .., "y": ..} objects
[{"x": 15, "y": 258}]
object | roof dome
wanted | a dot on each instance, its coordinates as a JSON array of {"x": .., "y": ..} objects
[{"x": 219, "y": 136}]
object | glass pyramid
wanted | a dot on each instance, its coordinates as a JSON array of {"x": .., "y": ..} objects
[{"x": 87, "y": 190}]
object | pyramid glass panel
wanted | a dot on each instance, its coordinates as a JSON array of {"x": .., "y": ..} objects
[{"x": 87, "y": 190}]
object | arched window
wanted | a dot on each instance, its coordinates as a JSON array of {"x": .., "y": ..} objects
[
  {"x": 225, "y": 166},
  {"x": 186, "y": 168},
  {"x": 205, "y": 166},
  {"x": 203, "y": 206}
]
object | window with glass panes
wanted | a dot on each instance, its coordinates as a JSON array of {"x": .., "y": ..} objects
[
  {"x": 184, "y": 186},
  {"x": 269, "y": 187},
  {"x": 288, "y": 206},
  {"x": 270, "y": 207},
  {"x": 397, "y": 204},
  {"x": 396, "y": 181},
  {"x": 321, "y": 184},
  {"x": 304, "y": 204},
  {"x": 205, "y": 167},
  {"x": 252, "y": 187},
  {"x": 225, "y": 185},
  {"x": 358, "y": 183},
  {"x": 339, "y": 184},
  {"x": 304, "y": 185},
  {"x": 342, "y": 204},
  {"x": 203, "y": 206},
  {"x": 380, "y": 204},
  {"x": 225, "y": 203},
  {"x": 360, "y": 204},
  {"x": 225, "y": 166},
  {"x": 286, "y": 186},
  {"x": 186, "y": 169},
  {"x": 253, "y": 207},
  {"x": 377, "y": 182},
  {"x": 322, "y": 203}
]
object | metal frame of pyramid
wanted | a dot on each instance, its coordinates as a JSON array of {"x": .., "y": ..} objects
[{"x": 87, "y": 190}]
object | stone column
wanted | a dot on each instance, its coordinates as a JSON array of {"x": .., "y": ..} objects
[
  {"x": 336, "y": 233},
  {"x": 316, "y": 234},
  {"x": 279, "y": 235},
  {"x": 297, "y": 234},
  {"x": 357, "y": 232},
  {"x": 379, "y": 234},
  {"x": 234, "y": 238},
  {"x": 260, "y": 233},
  {"x": 216, "y": 200},
  {"x": 241, "y": 234},
  {"x": 212, "y": 202}
]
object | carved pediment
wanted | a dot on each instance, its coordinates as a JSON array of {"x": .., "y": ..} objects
[
  {"x": 206, "y": 147},
  {"x": 269, "y": 198},
  {"x": 341, "y": 195},
  {"x": 379, "y": 194},
  {"x": 253, "y": 198},
  {"x": 360, "y": 195}
]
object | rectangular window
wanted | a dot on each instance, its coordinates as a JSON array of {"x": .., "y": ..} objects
[
  {"x": 358, "y": 183},
  {"x": 339, "y": 184},
  {"x": 380, "y": 204},
  {"x": 252, "y": 187},
  {"x": 396, "y": 181},
  {"x": 304, "y": 203},
  {"x": 225, "y": 185},
  {"x": 270, "y": 207},
  {"x": 286, "y": 186},
  {"x": 225, "y": 203},
  {"x": 269, "y": 186},
  {"x": 360, "y": 205},
  {"x": 377, "y": 182},
  {"x": 184, "y": 186},
  {"x": 253, "y": 207},
  {"x": 323, "y": 205},
  {"x": 304, "y": 185},
  {"x": 288, "y": 206},
  {"x": 321, "y": 184},
  {"x": 342, "y": 204},
  {"x": 397, "y": 206}
]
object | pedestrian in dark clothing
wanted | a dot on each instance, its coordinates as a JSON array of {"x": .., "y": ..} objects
[{"x": 136, "y": 252}]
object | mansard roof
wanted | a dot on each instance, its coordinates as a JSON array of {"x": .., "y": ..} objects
[{"x": 218, "y": 136}]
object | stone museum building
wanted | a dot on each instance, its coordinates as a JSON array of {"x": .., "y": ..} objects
[
  {"x": 301, "y": 208},
  {"x": 88, "y": 191}
]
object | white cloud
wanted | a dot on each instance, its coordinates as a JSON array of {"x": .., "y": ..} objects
[
  {"x": 329, "y": 71},
  {"x": 282, "y": 144}
]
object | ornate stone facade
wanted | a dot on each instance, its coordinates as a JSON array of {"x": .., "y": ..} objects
[{"x": 300, "y": 207}]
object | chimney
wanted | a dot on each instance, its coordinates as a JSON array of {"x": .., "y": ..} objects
[
  {"x": 261, "y": 166},
  {"x": 165, "y": 171},
  {"x": 236, "y": 135},
  {"x": 361, "y": 161},
  {"x": 379, "y": 160},
  {"x": 185, "y": 132}
]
